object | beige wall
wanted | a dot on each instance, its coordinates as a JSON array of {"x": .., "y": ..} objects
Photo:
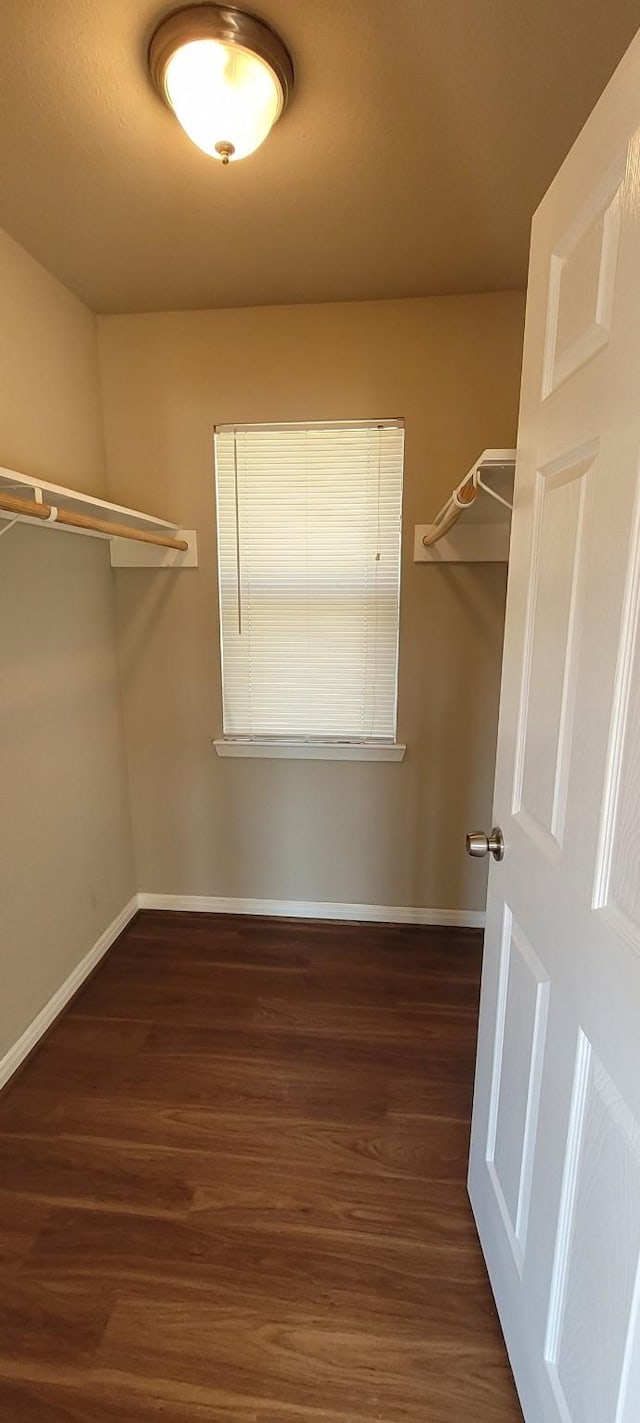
[
  {"x": 375, "y": 833},
  {"x": 66, "y": 862}
]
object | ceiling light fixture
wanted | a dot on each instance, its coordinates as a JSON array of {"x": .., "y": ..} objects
[{"x": 226, "y": 75}]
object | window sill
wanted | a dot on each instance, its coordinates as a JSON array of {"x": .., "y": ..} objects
[{"x": 312, "y": 750}]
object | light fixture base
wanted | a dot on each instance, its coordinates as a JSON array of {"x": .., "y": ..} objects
[{"x": 230, "y": 27}]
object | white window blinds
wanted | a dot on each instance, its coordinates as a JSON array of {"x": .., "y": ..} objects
[{"x": 309, "y": 521}]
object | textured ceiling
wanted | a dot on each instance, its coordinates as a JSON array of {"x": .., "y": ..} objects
[{"x": 419, "y": 141}]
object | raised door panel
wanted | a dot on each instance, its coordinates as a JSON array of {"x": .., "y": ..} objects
[
  {"x": 582, "y": 278},
  {"x": 591, "y": 1335},
  {"x": 552, "y": 642},
  {"x": 617, "y": 887},
  {"x": 523, "y": 1002}
]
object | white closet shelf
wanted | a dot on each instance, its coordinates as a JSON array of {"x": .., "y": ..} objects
[
  {"x": 136, "y": 540},
  {"x": 473, "y": 526}
]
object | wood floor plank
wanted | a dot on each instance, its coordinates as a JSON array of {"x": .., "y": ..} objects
[
  {"x": 292, "y": 945},
  {"x": 314, "y": 1092},
  {"x": 475, "y": 1389},
  {"x": 299, "y": 1361},
  {"x": 57, "y": 1318},
  {"x": 118, "y": 1035},
  {"x": 302, "y": 1029},
  {"x": 57, "y": 1171},
  {"x": 433, "y": 1215},
  {"x": 233, "y": 1185},
  {"x": 194, "y": 996},
  {"x": 385, "y": 1146},
  {"x": 18, "y": 1228},
  {"x": 260, "y": 1266},
  {"x": 84, "y": 1401}
]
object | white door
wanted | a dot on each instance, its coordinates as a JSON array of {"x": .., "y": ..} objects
[{"x": 555, "y": 1156}]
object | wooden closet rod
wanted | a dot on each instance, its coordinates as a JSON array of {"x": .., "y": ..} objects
[
  {"x": 51, "y": 514},
  {"x": 450, "y": 514}
]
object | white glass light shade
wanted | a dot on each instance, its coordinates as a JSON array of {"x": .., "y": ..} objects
[
  {"x": 226, "y": 75},
  {"x": 226, "y": 98}
]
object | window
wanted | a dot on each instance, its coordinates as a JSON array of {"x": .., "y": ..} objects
[{"x": 309, "y": 520}]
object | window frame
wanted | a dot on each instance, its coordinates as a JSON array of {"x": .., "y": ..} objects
[{"x": 303, "y": 747}]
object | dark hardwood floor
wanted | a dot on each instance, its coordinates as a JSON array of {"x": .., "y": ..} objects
[{"x": 232, "y": 1186}]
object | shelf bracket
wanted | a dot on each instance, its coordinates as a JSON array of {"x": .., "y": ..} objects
[{"x": 479, "y": 483}]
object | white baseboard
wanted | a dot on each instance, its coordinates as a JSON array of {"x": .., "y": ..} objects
[
  {"x": 316, "y": 909},
  {"x": 47, "y": 1015}
]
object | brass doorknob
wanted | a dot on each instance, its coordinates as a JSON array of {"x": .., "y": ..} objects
[{"x": 479, "y": 844}]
